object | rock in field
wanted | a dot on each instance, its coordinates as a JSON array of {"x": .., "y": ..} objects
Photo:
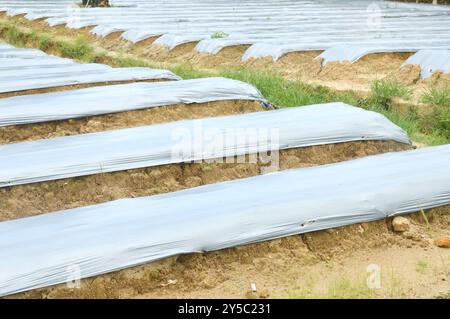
[
  {"x": 400, "y": 224},
  {"x": 443, "y": 242}
]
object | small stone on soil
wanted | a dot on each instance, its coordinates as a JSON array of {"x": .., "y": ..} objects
[
  {"x": 264, "y": 294},
  {"x": 443, "y": 242},
  {"x": 400, "y": 224}
]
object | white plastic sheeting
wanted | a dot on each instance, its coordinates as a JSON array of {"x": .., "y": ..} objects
[
  {"x": 5, "y": 46},
  {"x": 44, "y": 250},
  {"x": 431, "y": 61},
  {"x": 8, "y": 53},
  {"x": 15, "y": 64},
  {"x": 27, "y": 69},
  {"x": 190, "y": 140},
  {"x": 119, "y": 98},
  {"x": 271, "y": 27},
  {"x": 353, "y": 53}
]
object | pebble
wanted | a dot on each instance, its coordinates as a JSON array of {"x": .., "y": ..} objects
[
  {"x": 443, "y": 242},
  {"x": 400, "y": 224}
]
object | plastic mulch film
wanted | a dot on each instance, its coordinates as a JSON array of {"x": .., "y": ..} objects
[
  {"x": 119, "y": 98},
  {"x": 271, "y": 28},
  {"x": 33, "y": 69},
  {"x": 431, "y": 61}
]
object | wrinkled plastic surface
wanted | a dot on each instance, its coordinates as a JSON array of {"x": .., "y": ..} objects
[
  {"x": 189, "y": 140},
  {"x": 118, "y": 98},
  {"x": 27, "y": 69},
  {"x": 46, "y": 250},
  {"x": 430, "y": 61},
  {"x": 353, "y": 53},
  {"x": 270, "y": 27}
]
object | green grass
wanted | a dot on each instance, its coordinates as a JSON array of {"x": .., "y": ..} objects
[
  {"x": 205, "y": 167},
  {"x": 383, "y": 91},
  {"x": 425, "y": 218},
  {"x": 78, "y": 49},
  {"x": 421, "y": 267},
  {"x": 341, "y": 288},
  {"x": 438, "y": 120},
  {"x": 280, "y": 91},
  {"x": 438, "y": 97},
  {"x": 444, "y": 296},
  {"x": 411, "y": 122},
  {"x": 219, "y": 35},
  {"x": 345, "y": 289},
  {"x": 14, "y": 36},
  {"x": 44, "y": 42},
  {"x": 431, "y": 130}
]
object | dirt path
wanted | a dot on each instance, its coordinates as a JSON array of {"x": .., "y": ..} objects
[
  {"x": 405, "y": 273},
  {"x": 394, "y": 266}
]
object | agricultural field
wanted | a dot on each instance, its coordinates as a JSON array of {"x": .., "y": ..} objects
[{"x": 224, "y": 149}]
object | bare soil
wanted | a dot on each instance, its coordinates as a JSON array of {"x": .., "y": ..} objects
[
  {"x": 334, "y": 263},
  {"x": 360, "y": 74}
]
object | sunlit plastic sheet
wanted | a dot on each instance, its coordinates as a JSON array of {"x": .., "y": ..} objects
[
  {"x": 431, "y": 61},
  {"x": 353, "y": 53},
  {"x": 11, "y": 52},
  {"x": 5, "y": 46},
  {"x": 189, "y": 140},
  {"x": 14, "y": 64},
  {"x": 28, "y": 69},
  {"x": 270, "y": 27},
  {"x": 48, "y": 249},
  {"x": 119, "y": 98}
]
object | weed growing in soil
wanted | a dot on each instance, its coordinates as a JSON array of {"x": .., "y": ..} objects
[
  {"x": 78, "y": 49},
  {"x": 439, "y": 118},
  {"x": 425, "y": 218},
  {"x": 421, "y": 267},
  {"x": 14, "y": 36},
  {"x": 438, "y": 97},
  {"x": 44, "y": 42},
  {"x": 219, "y": 35},
  {"x": 342, "y": 288},
  {"x": 444, "y": 296},
  {"x": 383, "y": 91},
  {"x": 280, "y": 91}
]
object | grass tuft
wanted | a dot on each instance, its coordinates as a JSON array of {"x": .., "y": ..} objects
[
  {"x": 44, "y": 42},
  {"x": 280, "y": 91},
  {"x": 78, "y": 49},
  {"x": 439, "y": 119},
  {"x": 342, "y": 288},
  {"x": 383, "y": 91},
  {"x": 219, "y": 35},
  {"x": 14, "y": 36},
  {"x": 438, "y": 97},
  {"x": 425, "y": 218},
  {"x": 421, "y": 267}
]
